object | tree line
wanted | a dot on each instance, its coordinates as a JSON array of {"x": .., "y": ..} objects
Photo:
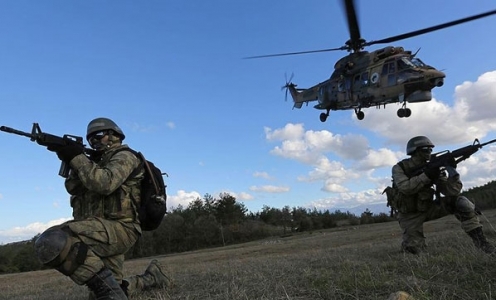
[{"x": 213, "y": 222}]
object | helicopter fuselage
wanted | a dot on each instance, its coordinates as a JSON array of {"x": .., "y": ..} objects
[{"x": 363, "y": 79}]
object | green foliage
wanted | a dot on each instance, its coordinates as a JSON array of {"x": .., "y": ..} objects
[
  {"x": 483, "y": 196},
  {"x": 18, "y": 257}
]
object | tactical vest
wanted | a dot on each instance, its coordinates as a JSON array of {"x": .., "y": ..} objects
[
  {"x": 119, "y": 205},
  {"x": 418, "y": 202}
]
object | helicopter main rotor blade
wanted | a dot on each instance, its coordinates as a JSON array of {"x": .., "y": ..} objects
[
  {"x": 430, "y": 29},
  {"x": 353, "y": 27},
  {"x": 296, "y": 53}
]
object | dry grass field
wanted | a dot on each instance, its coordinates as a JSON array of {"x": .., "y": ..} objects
[{"x": 361, "y": 262}]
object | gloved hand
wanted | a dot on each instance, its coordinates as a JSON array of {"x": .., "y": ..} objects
[
  {"x": 451, "y": 162},
  {"x": 451, "y": 172},
  {"x": 96, "y": 156},
  {"x": 432, "y": 172},
  {"x": 68, "y": 152}
]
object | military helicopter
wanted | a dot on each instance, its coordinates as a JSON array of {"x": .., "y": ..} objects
[{"x": 364, "y": 79}]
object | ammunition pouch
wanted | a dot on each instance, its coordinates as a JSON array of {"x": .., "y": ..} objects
[
  {"x": 425, "y": 199},
  {"x": 419, "y": 202}
]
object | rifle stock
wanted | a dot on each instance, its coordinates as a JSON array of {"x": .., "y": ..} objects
[{"x": 47, "y": 140}]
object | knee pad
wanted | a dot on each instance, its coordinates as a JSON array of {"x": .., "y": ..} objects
[
  {"x": 52, "y": 246},
  {"x": 55, "y": 248},
  {"x": 463, "y": 205}
]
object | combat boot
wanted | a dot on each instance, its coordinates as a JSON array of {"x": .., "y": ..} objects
[
  {"x": 153, "y": 277},
  {"x": 104, "y": 286},
  {"x": 480, "y": 241},
  {"x": 160, "y": 279}
]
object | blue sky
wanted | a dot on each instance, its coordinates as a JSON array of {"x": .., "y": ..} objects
[{"x": 171, "y": 74}]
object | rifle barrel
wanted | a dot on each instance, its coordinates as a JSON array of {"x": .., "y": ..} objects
[
  {"x": 15, "y": 131},
  {"x": 487, "y": 143}
]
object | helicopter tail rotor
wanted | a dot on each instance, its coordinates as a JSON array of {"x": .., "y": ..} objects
[{"x": 287, "y": 85}]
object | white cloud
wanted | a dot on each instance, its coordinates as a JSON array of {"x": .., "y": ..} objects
[
  {"x": 476, "y": 100},
  {"x": 377, "y": 159},
  {"x": 264, "y": 175},
  {"x": 309, "y": 146},
  {"x": 289, "y": 132},
  {"x": 325, "y": 169},
  {"x": 27, "y": 232},
  {"x": 182, "y": 198},
  {"x": 243, "y": 196},
  {"x": 270, "y": 189},
  {"x": 135, "y": 127},
  {"x": 239, "y": 196},
  {"x": 171, "y": 125},
  {"x": 330, "y": 186}
]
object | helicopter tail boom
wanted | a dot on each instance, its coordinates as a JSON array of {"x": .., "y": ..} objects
[{"x": 301, "y": 96}]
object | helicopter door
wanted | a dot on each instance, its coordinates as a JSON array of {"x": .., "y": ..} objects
[
  {"x": 325, "y": 93},
  {"x": 322, "y": 94},
  {"x": 389, "y": 72}
]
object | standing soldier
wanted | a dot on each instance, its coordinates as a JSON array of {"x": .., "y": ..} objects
[
  {"x": 416, "y": 203},
  {"x": 90, "y": 249}
]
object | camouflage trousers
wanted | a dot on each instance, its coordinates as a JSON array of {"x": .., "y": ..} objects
[
  {"x": 107, "y": 242},
  {"x": 412, "y": 224}
]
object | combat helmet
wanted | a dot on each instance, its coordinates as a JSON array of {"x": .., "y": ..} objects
[
  {"x": 102, "y": 124},
  {"x": 418, "y": 141}
]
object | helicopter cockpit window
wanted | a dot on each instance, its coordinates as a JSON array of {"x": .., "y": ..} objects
[
  {"x": 418, "y": 63},
  {"x": 405, "y": 63},
  {"x": 389, "y": 67}
]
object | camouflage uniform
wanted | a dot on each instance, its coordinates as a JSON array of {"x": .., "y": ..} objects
[
  {"x": 105, "y": 191},
  {"x": 104, "y": 208},
  {"x": 416, "y": 203},
  {"x": 103, "y": 202}
]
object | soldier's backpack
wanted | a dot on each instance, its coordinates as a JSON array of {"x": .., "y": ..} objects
[
  {"x": 153, "y": 205},
  {"x": 393, "y": 194}
]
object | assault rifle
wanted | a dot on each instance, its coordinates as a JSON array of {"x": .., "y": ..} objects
[
  {"x": 451, "y": 158},
  {"x": 47, "y": 140}
]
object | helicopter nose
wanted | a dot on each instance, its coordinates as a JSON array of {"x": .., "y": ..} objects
[{"x": 436, "y": 78}]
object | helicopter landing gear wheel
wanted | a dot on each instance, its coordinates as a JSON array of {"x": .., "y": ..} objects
[
  {"x": 323, "y": 116},
  {"x": 404, "y": 112},
  {"x": 360, "y": 114}
]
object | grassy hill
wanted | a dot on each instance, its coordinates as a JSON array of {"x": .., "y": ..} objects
[{"x": 360, "y": 262}]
